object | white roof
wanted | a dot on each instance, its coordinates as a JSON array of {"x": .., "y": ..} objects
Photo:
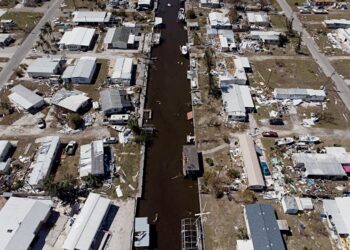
[
  {"x": 79, "y": 36},
  {"x": 82, "y": 69},
  {"x": 91, "y": 16},
  {"x": 4, "y": 145},
  {"x": 142, "y": 227},
  {"x": 257, "y": 17},
  {"x": 244, "y": 245},
  {"x": 242, "y": 62},
  {"x": 223, "y": 41},
  {"x": 91, "y": 159},
  {"x": 236, "y": 99},
  {"x": 218, "y": 19},
  {"x": 122, "y": 68},
  {"x": 265, "y": 35},
  {"x": 337, "y": 21},
  {"x": 144, "y": 2},
  {"x": 44, "y": 160},
  {"x": 72, "y": 100},
  {"x": 24, "y": 97},
  {"x": 299, "y": 91},
  {"x": 158, "y": 21},
  {"x": 322, "y": 164},
  {"x": 4, "y": 37},
  {"x": 87, "y": 223},
  {"x": 44, "y": 65},
  {"x": 20, "y": 218},
  {"x": 339, "y": 210},
  {"x": 335, "y": 150}
]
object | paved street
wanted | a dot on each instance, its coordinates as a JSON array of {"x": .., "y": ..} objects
[
  {"x": 27, "y": 44},
  {"x": 320, "y": 58}
]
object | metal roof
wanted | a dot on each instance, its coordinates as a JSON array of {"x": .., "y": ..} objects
[
  {"x": 142, "y": 228},
  {"x": 24, "y": 97},
  {"x": 79, "y": 36},
  {"x": 265, "y": 35},
  {"x": 257, "y": 17},
  {"x": 251, "y": 162},
  {"x": 122, "y": 68},
  {"x": 91, "y": 16},
  {"x": 242, "y": 62},
  {"x": 339, "y": 209},
  {"x": 41, "y": 168},
  {"x": 4, "y": 37},
  {"x": 82, "y": 69},
  {"x": 4, "y": 145},
  {"x": 72, "y": 100},
  {"x": 190, "y": 158},
  {"x": 298, "y": 91},
  {"x": 88, "y": 222},
  {"x": 263, "y": 227},
  {"x": 20, "y": 219},
  {"x": 118, "y": 34},
  {"x": 44, "y": 65},
  {"x": 91, "y": 159},
  {"x": 236, "y": 98},
  {"x": 321, "y": 164},
  {"x": 114, "y": 99},
  {"x": 218, "y": 19}
]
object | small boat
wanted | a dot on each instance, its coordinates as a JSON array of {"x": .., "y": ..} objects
[
  {"x": 181, "y": 15},
  {"x": 285, "y": 141},
  {"x": 184, "y": 50},
  {"x": 309, "y": 139}
]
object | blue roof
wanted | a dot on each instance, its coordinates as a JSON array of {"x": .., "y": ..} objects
[{"x": 263, "y": 227}]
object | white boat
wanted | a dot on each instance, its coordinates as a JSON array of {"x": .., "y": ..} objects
[
  {"x": 181, "y": 15},
  {"x": 184, "y": 50},
  {"x": 309, "y": 139},
  {"x": 285, "y": 141}
]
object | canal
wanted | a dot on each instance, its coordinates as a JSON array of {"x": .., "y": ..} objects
[{"x": 167, "y": 195}]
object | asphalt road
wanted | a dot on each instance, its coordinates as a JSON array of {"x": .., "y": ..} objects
[
  {"x": 320, "y": 58},
  {"x": 27, "y": 44}
]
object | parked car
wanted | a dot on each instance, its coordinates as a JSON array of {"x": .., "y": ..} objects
[
  {"x": 71, "y": 147},
  {"x": 269, "y": 134},
  {"x": 276, "y": 121},
  {"x": 41, "y": 123},
  {"x": 110, "y": 140}
]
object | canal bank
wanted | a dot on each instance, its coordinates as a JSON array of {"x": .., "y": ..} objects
[{"x": 167, "y": 196}]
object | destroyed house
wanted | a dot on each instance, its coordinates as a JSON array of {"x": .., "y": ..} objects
[
  {"x": 92, "y": 159},
  {"x": 45, "y": 159},
  {"x": 84, "y": 231},
  {"x": 218, "y": 20},
  {"x": 251, "y": 163},
  {"x": 21, "y": 220},
  {"x": 190, "y": 161},
  {"x": 114, "y": 101},
  {"x": 72, "y": 100},
  {"x": 266, "y": 37},
  {"x": 262, "y": 227},
  {"x": 258, "y": 19}
]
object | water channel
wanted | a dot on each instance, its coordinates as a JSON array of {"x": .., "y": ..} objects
[{"x": 167, "y": 195}]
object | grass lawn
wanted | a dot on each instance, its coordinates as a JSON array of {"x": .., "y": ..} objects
[
  {"x": 342, "y": 67},
  {"x": 72, "y": 4},
  {"x": 101, "y": 73},
  {"x": 8, "y": 3},
  {"x": 25, "y": 21},
  {"x": 278, "y": 22},
  {"x": 289, "y": 73}
]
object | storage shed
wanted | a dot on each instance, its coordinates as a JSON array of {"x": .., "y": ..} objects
[{"x": 289, "y": 205}]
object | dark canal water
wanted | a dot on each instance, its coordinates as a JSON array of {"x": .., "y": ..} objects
[{"x": 166, "y": 192}]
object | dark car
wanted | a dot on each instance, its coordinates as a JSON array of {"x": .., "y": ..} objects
[
  {"x": 276, "y": 121},
  {"x": 269, "y": 134},
  {"x": 41, "y": 123},
  {"x": 71, "y": 147}
]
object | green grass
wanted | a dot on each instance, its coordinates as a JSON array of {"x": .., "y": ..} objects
[
  {"x": 278, "y": 22},
  {"x": 25, "y": 21},
  {"x": 342, "y": 67}
]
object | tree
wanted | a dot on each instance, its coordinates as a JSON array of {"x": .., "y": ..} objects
[
  {"x": 233, "y": 173},
  {"x": 191, "y": 14},
  {"x": 298, "y": 46},
  {"x": 75, "y": 121},
  {"x": 233, "y": 15},
  {"x": 93, "y": 181},
  {"x": 282, "y": 40}
]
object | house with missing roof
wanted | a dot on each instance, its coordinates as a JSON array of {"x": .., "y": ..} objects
[
  {"x": 262, "y": 229},
  {"x": 84, "y": 231},
  {"x": 46, "y": 67},
  {"x": 44, "y": 160},
  {"x": 26, "y": 99},
  {"x": 79, "y": 38},
  {"x": 81, "y": 72},
  {"x": 114, "y": 101},
  {"x": 72, "y": 100},
  {"x": 21, "y": 219},
  {"x": 121, "y": 38}
]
